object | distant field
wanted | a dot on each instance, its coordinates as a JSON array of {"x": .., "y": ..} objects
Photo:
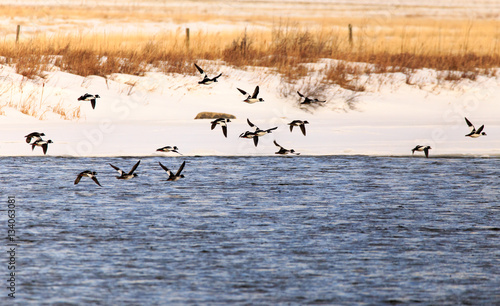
[{"x": 457, "y": 36}]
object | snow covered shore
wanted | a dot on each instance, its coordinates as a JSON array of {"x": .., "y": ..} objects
[{"x": 136, "y": 115}]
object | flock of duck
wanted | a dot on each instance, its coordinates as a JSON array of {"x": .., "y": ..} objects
[{"x": 35, "y": 138}]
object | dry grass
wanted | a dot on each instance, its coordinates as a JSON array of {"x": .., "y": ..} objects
[
  {"x": 459, "y": 48},
  {"x": 67, "y": 114}
]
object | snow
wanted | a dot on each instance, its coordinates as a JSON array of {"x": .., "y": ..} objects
[{"x": 138, "y": 114}]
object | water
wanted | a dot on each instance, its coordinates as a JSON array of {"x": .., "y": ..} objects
[{"x": 256, "y": 230}]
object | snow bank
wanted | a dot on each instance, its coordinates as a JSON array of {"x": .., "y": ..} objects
[{"x": 136, "y": 115}]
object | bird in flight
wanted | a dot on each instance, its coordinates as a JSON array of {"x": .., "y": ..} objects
[
  {"x": 206, "y": 80},
  {"x": 251, "y": 98},
  {"x": 171, "y": 175},
  {"x": 124, "y": 175}
]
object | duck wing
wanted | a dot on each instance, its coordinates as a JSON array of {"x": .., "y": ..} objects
[
  {"x": 134, "y": 167},
  {"x": 242, "y": 91},
  {"x": 255, "y": 92},
  {"x": 470, "y": 124},
  {"x": 426, "y": 151},
  {"x": 180, "y": 169},
  {"x": 251, "y": 124},
  {"x": 78, "y": 178},
  {"x": 96, "y": 181},
  {"x": 255, "y": 140},
  {"x": 214, "y": 124},
  {"x": 199, "y": 68},
  {"x": 166, "y": 169},
  {"x": 303, "y": 129},
  {"x": 117, "y": 169}
]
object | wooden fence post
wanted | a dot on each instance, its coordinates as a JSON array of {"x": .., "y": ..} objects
[
  {"x": 18, "y": 32},
  {"x": 187, "y": 38},
  {"x": 350, "y": 34}
]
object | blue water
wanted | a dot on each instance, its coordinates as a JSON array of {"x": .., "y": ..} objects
[{"x": 255, "y": 230}]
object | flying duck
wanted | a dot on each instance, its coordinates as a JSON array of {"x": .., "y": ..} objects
[
  {"x": 474, "y": 133},
  {"x": 35, "y": 136},
  {"x": 206, "y": 80},
  {"x": 308, "y": 100},
  {"x": 299, "y": 123},
  {"x": 420, "y": 148},
  {"x": 87, "y": 173},
  {"x": 253, "y": 98},
  {"x": 284, "y": 151},
  {"x": 171, "y": 176},
  {"x": 41, "y": 143},
  {"x": 126, "y": 176},
  {"x": 169, "y": 149},
  {"x": 250, "y": 135},
  {"x": 257, "y": 133},
  {"x": 223, "y": 123},
  {"x": 89, "y": 97}
]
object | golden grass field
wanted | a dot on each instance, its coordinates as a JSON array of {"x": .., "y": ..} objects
[{"x": 391, "y": 43}]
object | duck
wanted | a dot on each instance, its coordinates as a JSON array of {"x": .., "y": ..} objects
[
  {"x": 34, "y": 136},
  {"x": 420, "y": 148},
  {"x": 87, "y": 173},
  {"x": 308, "y": 100},
  {"x": 169, "y": 149},
  {"x": 126, "y": 176},
  {"x": 284, "y": 151},
  {"x": 89, "y": 97},
  {"x": 258, "y": 131},
  {"x": 250, "y": 135},
  {"x": 41, "y": 143},
  {"x": 176, "y": 176},
  {"x": 474, "y": 133},
  {"x": 223, "y": 123},
  {"x": 206, "y": 80},
  {"x": 299, "y": 123},
  {"x": 253, "y": 98}
]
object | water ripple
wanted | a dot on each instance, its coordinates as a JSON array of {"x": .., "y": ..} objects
[{"x": 258, "y": 230}]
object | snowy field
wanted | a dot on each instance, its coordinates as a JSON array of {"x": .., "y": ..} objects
[
  {"x": 136, "y": 115},
  {"x": 217, "y": 15}
]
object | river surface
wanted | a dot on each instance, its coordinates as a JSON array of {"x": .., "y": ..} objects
[{"x": 333, "y": 230}]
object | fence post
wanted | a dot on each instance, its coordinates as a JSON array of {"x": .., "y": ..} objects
[
  {"x": 350, "y": 34},
  {"x": 187, "y": 38},
  {"x": 18, "y": 32}
]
